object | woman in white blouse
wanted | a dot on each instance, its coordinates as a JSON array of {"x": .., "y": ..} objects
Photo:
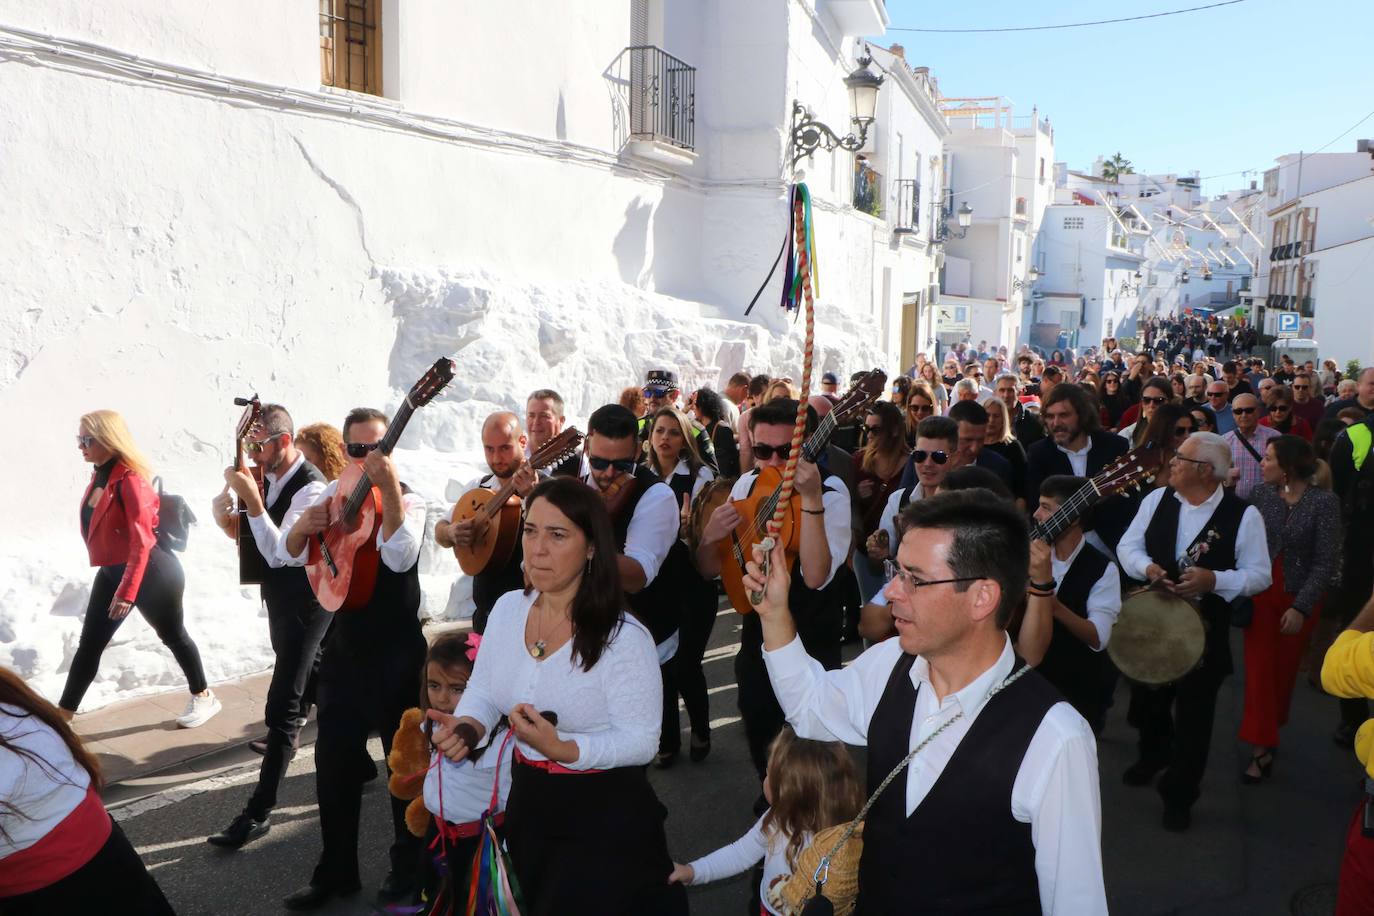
[{"x": 579, "y": 679}]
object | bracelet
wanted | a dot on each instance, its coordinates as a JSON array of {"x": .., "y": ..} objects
[
  {"x": 814, "y": 511},
  {"x": 1035, "y": 594},
  {"x": 1044, "y": 586}
]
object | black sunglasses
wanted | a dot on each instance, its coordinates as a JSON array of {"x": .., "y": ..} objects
[
  {"x": 1242, "y": 411},
  {"x": 623, "y": 465},
  {"x": 766, "y": 452},
  {"x": 359, "y": 450},
  {"x": 85, "y": 441},
  {"x": 920, "y": 455},
  {"x": 1216, "y": 394},
  {"x": 1147, "y": 399},
  {"x": 1183, "y": 431}
]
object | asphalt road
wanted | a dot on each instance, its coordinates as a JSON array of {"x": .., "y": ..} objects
[{"x": 1271, "y": 849}]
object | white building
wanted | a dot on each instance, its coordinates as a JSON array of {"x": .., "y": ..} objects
[{"x": 314, "y": 200}]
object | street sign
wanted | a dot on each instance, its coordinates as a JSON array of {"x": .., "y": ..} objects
[
  {"x": 1287, "y": 325},
  {"x": 954, "y": 318}
]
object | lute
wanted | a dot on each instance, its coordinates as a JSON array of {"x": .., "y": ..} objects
[{"x": 252, "y": 567}]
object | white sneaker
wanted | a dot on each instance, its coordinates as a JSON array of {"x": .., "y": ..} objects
[{"x": 199, "y": 710}]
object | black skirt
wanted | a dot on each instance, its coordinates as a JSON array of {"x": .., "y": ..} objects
[{"x": 590, "y": 843}]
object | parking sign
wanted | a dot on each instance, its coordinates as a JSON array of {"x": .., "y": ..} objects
[{"x": 1288, "y": 324}]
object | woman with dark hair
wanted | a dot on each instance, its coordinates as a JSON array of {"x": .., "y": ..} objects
[
  {"x": 710, "y": 411},
  {"x": 578, "y": 678},
  {"x": 1155, "y": 393},
  {"x": 1114, "y": 403},
  {"x": 901, "y": 385},
  {"x": 1281, "y": 416},
  {"x": 59, "y": 850},
  {"x": 878, "y": 473},
  {"x": 1204, "y": 418},
  {"x": 1169, "y": 427},
  {"x": 1179, "y": 381},
  {"x": 1302, "y": 524},
  {"x": 1056, "y": 358}
]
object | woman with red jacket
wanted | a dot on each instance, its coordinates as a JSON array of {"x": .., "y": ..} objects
[{"x": 119, "y": 522}]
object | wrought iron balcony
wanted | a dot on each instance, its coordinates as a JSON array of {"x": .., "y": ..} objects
[
  {"x": 908, "y": 202},
  {"x": 662, "y": 97}
]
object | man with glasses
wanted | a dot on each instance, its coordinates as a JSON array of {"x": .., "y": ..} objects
[
  {"x": 1219, "y": 399},
  {"x": 1247, "y": 443},
  {"x": 1026, "y": 426},
  {"x": 1305, "y": 405},
  {"x": 295, "y": 620},
  {"x": 367, "y": 674},
  {"x": 1028, "y": 810},
  {"x": 1266, "y": 388},
  {"x": 816, "y": 595},
  {"x": 1175, "y": 722},
  {"x": 1363, "y": 397}
]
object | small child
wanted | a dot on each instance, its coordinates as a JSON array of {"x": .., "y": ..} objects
[
  {"x": 456, "y": 794},
  {"x": 810, "y": 786}
]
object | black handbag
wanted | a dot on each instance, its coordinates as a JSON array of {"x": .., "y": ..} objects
[{"x": 174, "y": 518}]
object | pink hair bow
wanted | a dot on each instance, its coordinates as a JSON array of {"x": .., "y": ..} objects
[{"x": 474, "y": 642}]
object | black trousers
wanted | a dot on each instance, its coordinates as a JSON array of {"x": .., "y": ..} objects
[
  {"x": 361, "y": 692},
  {"x": 113, "y": 882},
  {"x": 1175, "y": 724},
  {"x": 296, "y": 629},
  {"x": 158, "y": 600},
  {"x": 686, "y": 677}
]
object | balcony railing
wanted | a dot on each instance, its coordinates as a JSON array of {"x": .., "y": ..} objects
[
  {"x": 662, "y": 97},
  {"x": 908, "y": 215}
]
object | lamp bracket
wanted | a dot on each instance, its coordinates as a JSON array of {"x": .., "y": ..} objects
[{"x": 809, "y": 135}]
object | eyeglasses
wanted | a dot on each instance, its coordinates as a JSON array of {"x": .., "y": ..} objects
[
  {"x": 920, "y": 455},
  {"x": 85, "y": 441},
  {"x": 1147, "y": 399},
  {"x": 1242, "y": 411},
  {"x": 360, "y": 450},
  {"x": 873, "y": 427},
  {"x": 1111, "y": 381},
  {"x": 1216, "y": 394},
  {"x": 1178, "y": 457},
  {"x": 655, "y": 392},
  {"x": 254, "y": 446},
  {"x": 768, "y": 451},
  {"x": 623, "y": 465},
  {"x": 909, "y": 582},
  {"x": 1279, "y": 408}
]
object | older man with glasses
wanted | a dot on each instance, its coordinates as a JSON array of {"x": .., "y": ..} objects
[
  {"x": 1247, "y": 443},
  {"x": 1307, "y": 401},
  {"x": 1219, "y": 399}
]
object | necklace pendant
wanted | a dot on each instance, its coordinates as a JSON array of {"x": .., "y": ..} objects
[{"x": 537, "y": 650}]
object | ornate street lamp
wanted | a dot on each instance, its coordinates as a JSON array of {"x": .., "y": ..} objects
[
  {"x": 1130, "y": 289},
  {"x": 809, "y": 134},
  {"x": 1031, "y": 276},
  {"x": 965, "y": 218}
]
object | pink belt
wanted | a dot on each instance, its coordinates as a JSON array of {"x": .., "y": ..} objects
[{"x": 549, "y": 766}]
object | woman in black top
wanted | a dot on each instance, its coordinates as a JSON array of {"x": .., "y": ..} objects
[
  {"x": 1114, "y": 402},
  {"x": 710, "y": 412},
  {"x": 1001, "y": 439}
]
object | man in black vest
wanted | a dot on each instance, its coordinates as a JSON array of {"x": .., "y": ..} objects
[
  {"x": 1077, "y": 446},
  {"x": 1086, "y": 602},
  {"x": 295, "y": 621},
  {"x": 1175, "y": 722},
  {"x": 645, "y": 519},
  {"x": 999, "y": 810},
  {"x": 369, "y": 674},
  {"x": 503, "y": 444},
  {"x": 816, "y": 598}
]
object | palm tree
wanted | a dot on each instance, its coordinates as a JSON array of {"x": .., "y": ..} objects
[{"x": 1115, "y": 167}]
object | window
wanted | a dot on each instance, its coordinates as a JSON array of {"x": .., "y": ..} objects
[
  {"x": 1073, "y": 222},
  {"x": 1042, "y": 169},
  {"x": 351, "y": 45}
]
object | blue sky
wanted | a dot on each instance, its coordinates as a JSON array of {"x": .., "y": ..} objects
[{"x": 1218, "y": 90}]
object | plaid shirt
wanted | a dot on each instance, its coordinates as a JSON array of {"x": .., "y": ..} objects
[{"x": 1241, "y": 458}]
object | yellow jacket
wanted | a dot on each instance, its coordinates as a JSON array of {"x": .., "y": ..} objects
[{"x": 1348, "y": 671}]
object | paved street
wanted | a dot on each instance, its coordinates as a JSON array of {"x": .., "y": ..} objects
[{"x": 1271, "y": 849}]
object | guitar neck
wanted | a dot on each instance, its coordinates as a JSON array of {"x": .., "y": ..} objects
[
  {"x": 387, "y": 444},
  {"x": 502, "y": 497},
  {"x": 1071, "y": 511}
]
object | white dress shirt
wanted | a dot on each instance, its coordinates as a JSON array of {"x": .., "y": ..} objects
[
  {"x": 1104, "y": 600},
  {"x": 265, "y": 532},
  {"x": 1252, "y": 573},
  {"x": 704, "y": 476},
  {"x": 399, "y": 552},
  {"x": 1056, "y": 789},
  {"x": 1078, "y": 460},
  {"x": 888, "y": 523},
  {"x": 466, "y": 790},
  {"x": 653, "y": 527},
  {"x": 613, "y": 712},
  {"x": 838, "y": 515}
]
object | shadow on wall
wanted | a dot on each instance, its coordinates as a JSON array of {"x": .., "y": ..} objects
[
  {"x": 560, "y": 118},
  {"x": 631, "y": 248}
]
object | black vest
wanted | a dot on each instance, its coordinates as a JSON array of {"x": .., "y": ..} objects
[
  {"x": 918, "y": 863},
  {"x": 1070, "y": 664},
  {"x": 1160, "y": 537},
  {"x": 657, "y": 604},
  {"x": 490, "y": 584},
  {"x": 389, "y": 621},
  {"x": 817, "y": 613},
  {"x": 286, "y": 587}
]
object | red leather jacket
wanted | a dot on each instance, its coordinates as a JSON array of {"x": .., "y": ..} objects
[{"x": 122, "y": 528}]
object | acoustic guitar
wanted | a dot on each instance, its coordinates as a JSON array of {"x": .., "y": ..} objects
[
  {"x": 1129, "y": 472},
  {"x": 252, "y": 566},
  {"x": 497, "y": 512},
  {"x": 342, "y": 565},
  {"x": 758, "y": 507}
]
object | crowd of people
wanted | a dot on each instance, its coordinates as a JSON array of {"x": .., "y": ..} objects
[{"x": 954, "y": 526}]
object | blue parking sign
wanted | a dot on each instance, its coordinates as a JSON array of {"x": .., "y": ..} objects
[{"x": 1288, "y": 323}]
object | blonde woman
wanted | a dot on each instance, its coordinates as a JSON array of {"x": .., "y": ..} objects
[
  {"x": 780, "y": 388},
  {"x": 1001, "y": 439},
  {"x": 119, "y": 523}
]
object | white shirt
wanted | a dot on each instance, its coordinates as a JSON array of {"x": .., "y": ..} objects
[
  {"x": 44, "y": 793},
  {"x": 1104, "y": 600},
  {"x": 1252, "y": 574},
  {"x": 888, "y": 523},
  {"x": 838, "y": 515},
  {"x": 266, "y": 535},
  {"x": 653, "y": 527},
  {"x": 1126, "y": 432},
  {"x": 399, "y": 553},
  {"x": 744, "y": 854},
  {"x": 1056, "y": 790},
  {"x": 467, "y": 785},
  {"x": 1078, "y": 460},
  {"x": 612, "y": 712},
  {"x": 704, "y": 476}
]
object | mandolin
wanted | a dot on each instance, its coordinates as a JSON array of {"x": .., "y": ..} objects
[
  {"x": 758, "y": 507},
  {"x": 497, "y": 513},
  {"x": 252, "y": 567},
  {"x": 343, "y": 560}
]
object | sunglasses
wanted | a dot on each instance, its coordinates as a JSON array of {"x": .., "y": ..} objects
[
  {"x": 623, "y": 465},
  {"x": 360, "y": 450},
  {"x": 1301, "y": 387},
  {"x": 254, "y": 446},
  {"x": 1216, "y": 394},
  {"x": 920, "y": 455},
  {"x": 1279, "y": 408},
  {"x": 1183, "y": 432},
  {"x": 655, "y": 392},
  {"x": 920, "y": 408},
  {"x": 766, "y": 452},
  {"x": 1111, "y": 381},
  {"x": 1147, "y": 399},
  {"x": 85, "y": 441},
  {"x": 873, "y": 427},
  {"x": 1242, "y": 411}
]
